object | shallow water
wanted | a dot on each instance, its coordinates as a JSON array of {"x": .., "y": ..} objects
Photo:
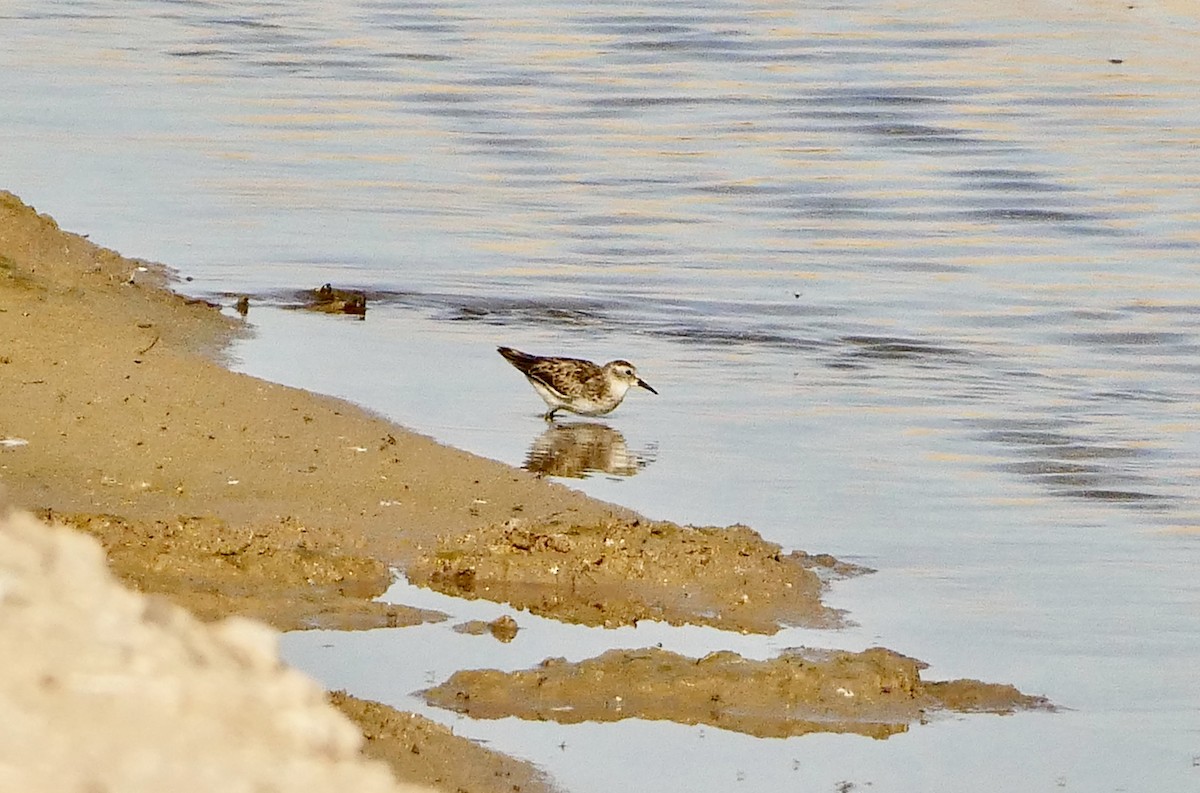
[{"x": 918, "y": 285}]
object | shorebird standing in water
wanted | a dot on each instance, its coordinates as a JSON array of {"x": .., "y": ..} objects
[{"x": 575, "y": 384}]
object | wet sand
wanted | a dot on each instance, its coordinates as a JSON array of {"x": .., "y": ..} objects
[
  {"x": 618, "y": 572},
  {"x": 876, "y": 693},
  {"x": 231, "y": 496}
]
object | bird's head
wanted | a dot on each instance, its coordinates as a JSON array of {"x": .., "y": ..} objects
[{"x": 625, "y": 372}]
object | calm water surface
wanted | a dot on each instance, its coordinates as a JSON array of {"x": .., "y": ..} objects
[{"x": 918, "y": 284}]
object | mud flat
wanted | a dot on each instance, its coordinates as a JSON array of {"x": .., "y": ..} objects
[
  {"x": 231, "y": 496},
  {"x": 876, "y": 692},
  {"x": 618, "y": 572}
]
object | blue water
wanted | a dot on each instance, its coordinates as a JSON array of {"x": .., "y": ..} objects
[{"x": 918, "y": 285}]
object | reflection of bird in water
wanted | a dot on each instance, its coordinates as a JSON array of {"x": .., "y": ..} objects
[
  {"x": 575, "y": 450},
  {"x": 575, "y": 384}
]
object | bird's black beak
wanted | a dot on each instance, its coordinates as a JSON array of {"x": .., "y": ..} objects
[{"x": 646, "y": 386}]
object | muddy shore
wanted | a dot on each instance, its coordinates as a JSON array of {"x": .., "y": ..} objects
[
  {"x": 876, "y": 693},
  {"x": 231, "y": 496}
]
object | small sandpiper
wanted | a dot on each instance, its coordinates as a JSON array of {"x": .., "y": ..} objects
[{"x": 575, "y": 384}]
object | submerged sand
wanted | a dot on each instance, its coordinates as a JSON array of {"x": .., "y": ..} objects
[{"x": 228, "y": 495}]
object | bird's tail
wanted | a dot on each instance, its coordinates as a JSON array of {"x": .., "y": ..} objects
[{"x": 521, "y": 360}]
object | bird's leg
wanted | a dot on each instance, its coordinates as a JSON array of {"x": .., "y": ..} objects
[{"x": 549, "y": 414}]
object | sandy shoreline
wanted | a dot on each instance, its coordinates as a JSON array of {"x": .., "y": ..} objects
[{"x": 230, "y": 496}]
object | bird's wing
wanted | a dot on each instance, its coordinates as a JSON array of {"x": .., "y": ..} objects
[{"x": 566, "y": 376}]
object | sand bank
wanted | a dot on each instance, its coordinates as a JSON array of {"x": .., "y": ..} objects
[{"x": 232, "y": 495}]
